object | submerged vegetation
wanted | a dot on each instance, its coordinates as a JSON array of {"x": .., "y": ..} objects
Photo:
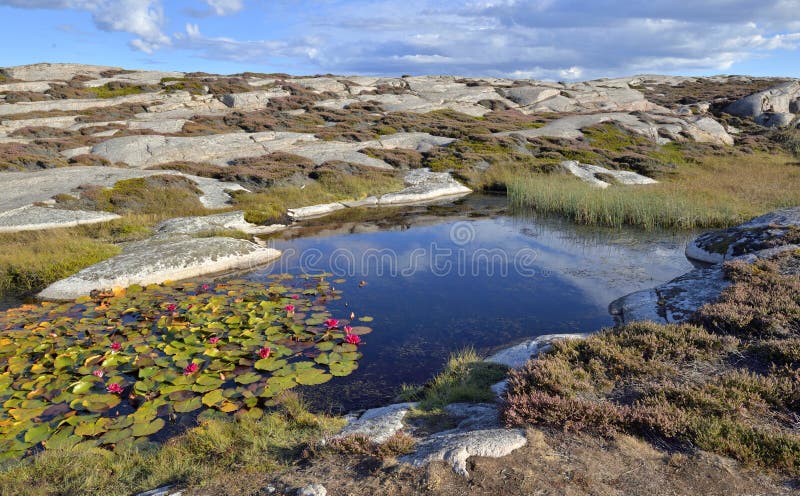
[
  {"x": 114, "y": 369},
  {"x": 731, "y": 387}
]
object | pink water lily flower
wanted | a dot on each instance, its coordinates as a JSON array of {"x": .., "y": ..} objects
[
  {"x": 289, "y": 308},
  {"x": 205, "y": 287},
  {"x": 213, "y": 340},
  {"x": 331, "y": 323},
  {"x": 116, "y": 346},
  {"x": 114, "y": 388},
  {"x": 348, "y": 329},
  {"x": 264, "y": 352},
  {"x": 352, "y": 339},
  {"x": 190, "y": 369},
  {"x": 295, "y": 297},
  {"x": 98, "y": 373},
  {"x": 172, "y": 307}
]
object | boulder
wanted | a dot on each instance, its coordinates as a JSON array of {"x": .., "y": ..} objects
[
  {"x": 525, "y": 96},
  {"x": 252, "y": 100},
  {"x": 378, "y": 424},
  {"x": 773, "y": 107},
  {"x": 757, "y": 234},
  {"x": 155, "y": 262},
  {"x": 455, "y": 446},
  {"x": 312, "y": 490}
]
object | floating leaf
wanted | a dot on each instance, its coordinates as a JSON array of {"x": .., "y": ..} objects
[{"x": 148, "y": 428}]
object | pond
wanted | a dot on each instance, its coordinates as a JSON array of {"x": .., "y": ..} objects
[{"x": 442, "y": 278}]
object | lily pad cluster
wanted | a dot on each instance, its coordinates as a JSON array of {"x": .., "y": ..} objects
[{"x": 114, "y": 369}]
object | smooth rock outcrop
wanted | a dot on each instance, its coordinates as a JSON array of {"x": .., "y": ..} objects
[
  {"x": 190, "y": 226},
  {"x": 518, "y": 355},
  {"x": 757, "y": 234},
  {"x": 155, "y": 262},
  {"x": 654, "y": 127},
  {"x": 678, "y": 299},
  {"x": 455, "y": 446},
  {"x": 378, "y": 424},
  {"x": 252, "y": 100},
  {"x": 55, "y": 72},
  {"x": 35, "y": 218},
  {"x": 592, "y": 174},
  {"x": 147, "y": 151},
  {"x": 424, "y": 185},
  {"x": 775, "y": 107}
]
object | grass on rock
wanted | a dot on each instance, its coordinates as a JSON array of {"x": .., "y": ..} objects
[
  {"x": 466, "y": 378},
  {"x": 732, "y": 388}
]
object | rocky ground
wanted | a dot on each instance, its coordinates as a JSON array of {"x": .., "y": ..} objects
[{"x": 67, "y": 130}]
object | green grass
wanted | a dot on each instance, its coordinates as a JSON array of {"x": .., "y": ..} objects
[
  {"x": 719, "y": 191},
  {"x": 29, "y": 261},
  {"x": 230, "y": 456},
  {"x": 465, "y": 378}
]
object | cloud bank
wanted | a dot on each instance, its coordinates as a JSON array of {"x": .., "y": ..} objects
[{"x": 554, "y": 39}]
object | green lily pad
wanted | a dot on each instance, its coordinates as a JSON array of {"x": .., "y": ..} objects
[{"x": 148, "y": 428}]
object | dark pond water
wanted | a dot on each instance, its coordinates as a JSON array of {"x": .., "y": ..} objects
[{"x": 439, "y": 279}]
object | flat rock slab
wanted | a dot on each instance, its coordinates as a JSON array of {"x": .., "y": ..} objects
[
  {"x": 456, "y": 446},
  {"x": 189, "y": 226},
  {"x": 518, "y": 355},
  {"x": 312, "y": 211},
  {"x": 154, "y": 263},
  {"x": 378, "y": 424},
  {"x": 35, "y": 218},
  {"x": 592, "y": 174},
  {"x": 754, "y": 235},
  {"x": 19, "y": 189},
  {"x": 424, "y": 185}
]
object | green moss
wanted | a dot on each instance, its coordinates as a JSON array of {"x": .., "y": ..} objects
[
  {"x": 612, "y": 138},
  {"x": 107, "y": 91}
]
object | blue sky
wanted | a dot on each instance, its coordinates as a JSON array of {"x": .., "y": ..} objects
[{"x": 542, "y": 39}]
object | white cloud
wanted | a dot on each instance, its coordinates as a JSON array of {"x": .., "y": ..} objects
[
  {"x": 259, "y": 51},
  {"x": 225, "y": 7},
  {"x": 143, "y": 18}
]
